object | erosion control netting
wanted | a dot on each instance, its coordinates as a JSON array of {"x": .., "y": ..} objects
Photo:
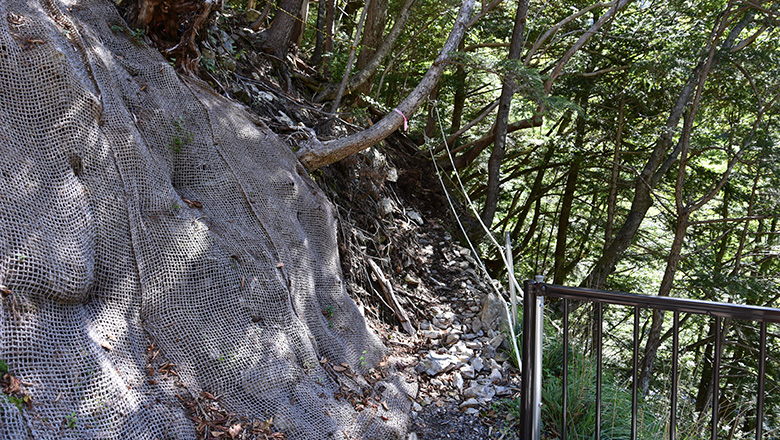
[{"x": 156, "y": 244}]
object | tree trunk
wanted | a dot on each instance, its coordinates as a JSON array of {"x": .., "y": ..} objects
[
  {"x": 563, "y": 222},
  {"x": 459, "y": 100},
  {"x": 502, "y": 119},
  {"x": 300, "y": 25},
  {"x": 321, "y": 32},
  {"x": 316, "y": 155},
  {"x": 351, "y": 60},
  {"x": 372, "y": 39},
  {"x": 277, "y": 38}
]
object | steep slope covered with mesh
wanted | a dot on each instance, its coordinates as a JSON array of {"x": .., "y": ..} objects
[{"x": 156, "y": 244}]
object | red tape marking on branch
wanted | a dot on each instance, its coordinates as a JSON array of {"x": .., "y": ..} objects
[{"x": 406, "y": 121}]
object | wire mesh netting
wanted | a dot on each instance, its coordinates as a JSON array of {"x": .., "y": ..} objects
[{"x": 155, "y": 243}]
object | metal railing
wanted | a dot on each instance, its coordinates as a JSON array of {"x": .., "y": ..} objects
[{"x": 532, "y": 350}]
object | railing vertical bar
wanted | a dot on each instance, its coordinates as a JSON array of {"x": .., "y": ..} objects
[
  {"x": 599, "y": 324},
  {"x": 761, "y": 373},
  {"x": 538, "y": 335},
  {"x": 675, "y": 374},
  {"x": 716, "y": 379},
  {"x": 635, "y": 378},
  {"x": 529, "y": 328},
  {"x": 565, "y": 391}
]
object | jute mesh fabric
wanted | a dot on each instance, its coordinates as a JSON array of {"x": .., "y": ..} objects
[{"x": 146, "y": 225}]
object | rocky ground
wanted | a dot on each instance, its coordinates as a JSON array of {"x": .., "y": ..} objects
[{"x": 465, "y": 375}]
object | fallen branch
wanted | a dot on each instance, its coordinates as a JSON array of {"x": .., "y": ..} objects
[{"x": 387, "y": 289}]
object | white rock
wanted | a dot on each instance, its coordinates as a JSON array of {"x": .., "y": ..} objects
[
  {"x": 434, "y": 363},
  {"x": 478, "y": 364},
  {"x": 392, "y": 174},
  {"x": 470, "y": 403},
  {"x": 386, "y": 207},
  {"x": 495, "y": 375},
  {"x": 481, "y": 392},
  {"x": 468, "y": 371},
  {"x": 415, "y": 217},
  {"x": 457, "y": 380},
  {"x": 430, "y": 334},
  {"x": 416, "y": 407}
]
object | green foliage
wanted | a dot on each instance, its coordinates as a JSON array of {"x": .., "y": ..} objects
[
  {"x": 3, "y": 367},
  {"x": 71, "y": 420},
  {"x": 616, "y": 398},
  {"x": 182, "y": 137},
  {"x": 136, "y": 35}
]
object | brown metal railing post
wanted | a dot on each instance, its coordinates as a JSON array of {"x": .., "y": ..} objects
[
  {"x": 597, "y": 345},
  {"x": 528, "y": 367},
  {"x": 716, "y": 378},
  {"x": 761, "y": 374},
  {"x": 565, "y": 391},
  {"x": 635, "y": 378},
  {"x": 675, "y": 374}
]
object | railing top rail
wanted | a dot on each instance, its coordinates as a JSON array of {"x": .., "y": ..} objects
[{"x": 709, "y": 308}]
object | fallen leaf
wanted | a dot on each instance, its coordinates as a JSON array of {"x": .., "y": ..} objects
[
  {"x": 193, "y": 203},
  {"x": 106, "y": 346},
  {"x": 384, "y": 405},
  {"x": 14, "y": 385},
  {"x": 234, "y": 430},
  {"x": 339, "y": 369},
  {"x": 217, "y": 434},
  {"x": 279, "y": 265}
]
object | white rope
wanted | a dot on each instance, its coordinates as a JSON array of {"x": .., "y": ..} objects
[{"x": 463, "y": 229}]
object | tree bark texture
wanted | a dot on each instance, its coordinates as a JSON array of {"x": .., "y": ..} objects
[
  {"x": 373, "y": 32},
  {"x": 319, "y": 38},
  {"x": 277, "y": 38},
  {"x": 559, "y": 266}
]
